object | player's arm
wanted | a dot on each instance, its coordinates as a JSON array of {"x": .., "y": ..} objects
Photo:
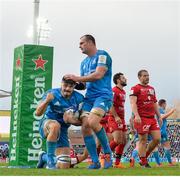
[
  {"x": 131, "y": 124},
  {"x": 69, "y": 117},
  {"x": 166, "y": 115},
  {"x": 41, "y": 108},
  {"x": 158, "y": 113},
  {"x": 98, "y": 74},
  {"x": 115, "y": 115},
  {"x": 133, "y": 102}
]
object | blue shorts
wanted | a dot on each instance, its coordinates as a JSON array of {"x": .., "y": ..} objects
[
  {"x": 164, "y": 138},
  {"x": 62, "y": 138},
  {"x": 100, "y": 102}
]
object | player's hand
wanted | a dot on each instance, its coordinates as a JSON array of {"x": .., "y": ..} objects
[
  {"x": 133, "y": 131},
  {"x": 137, "y": 119},
  {"x": 118, "y": 119},
  {"x": 72, "y": 77},
  {"x": 49, "y": 97},
  {"x": 160, "y": 121},
  {"x": 172, "y": 110}
]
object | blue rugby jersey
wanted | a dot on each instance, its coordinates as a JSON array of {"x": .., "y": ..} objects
[{"x": 101, "y": 87}]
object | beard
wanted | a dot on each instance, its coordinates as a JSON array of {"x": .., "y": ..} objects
[{"x": 124, "y": 84}]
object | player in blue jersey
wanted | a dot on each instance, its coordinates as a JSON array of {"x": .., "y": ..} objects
[
  {"x": 164, "y": 136},
  {"x": 96, "y": 72},
  {"x": 56, "y": 105}
]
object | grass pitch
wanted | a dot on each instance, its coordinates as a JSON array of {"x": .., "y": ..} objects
[{"x": 81, "y": 170}]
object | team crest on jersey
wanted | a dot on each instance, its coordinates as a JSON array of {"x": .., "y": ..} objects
[
  {"x": 102, "y": 59},
  {"x": 151, "y": 91}
]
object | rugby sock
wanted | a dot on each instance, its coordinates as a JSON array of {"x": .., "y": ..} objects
[
  {"x": 135, "y": 154},
  {"x": 168, "y": 155},
  {"x": 91, "y": 147},
  {"x": 101, "y": 135},
  {"x": 147, "y": 154},
  {"x": 113, "y": 144},
  {"x": 51, "y": 147},
  {"x": 119, "y": 151},
  {"x": 157, "y": 158},
  {"x": 143, "y": 160},
  {"x": 44, "y": 157},
  {"x": 118, "y": 158}
]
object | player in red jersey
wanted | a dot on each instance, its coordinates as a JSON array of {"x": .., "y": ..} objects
[
  {"x": 144, "y": 106},
  {"x": 116, "y": 119}
]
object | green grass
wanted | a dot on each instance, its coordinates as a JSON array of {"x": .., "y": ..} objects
[{"x": 82, "y": 171}]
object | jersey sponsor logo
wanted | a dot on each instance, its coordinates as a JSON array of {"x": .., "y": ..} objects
[
  {"x": 102, "y": 59},
  {"x": 57, "y": 103},
  {"x": 146, "y": 127}
]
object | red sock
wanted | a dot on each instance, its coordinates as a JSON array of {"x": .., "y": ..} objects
[
  {"x": 119, "y": 149},
  {"x": 147, "y": 154},
  {"x": 113, "y": 144},
  {"x": 143, "y": 160}
]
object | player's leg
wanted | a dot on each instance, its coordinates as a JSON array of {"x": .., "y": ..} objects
[
  {"x": 79, "y": 158},
  {"x": 50, "y": 129},
  {"x": 120, "y": 148},
  {"x": 167, "y": 147},
  {"x": 134, "y": 154},
  {"x": 156, "y": 156},
  {"x": 89, "y": 138},
  {"x": 155, "y": 133},
  {"x": 63, "y": 149},
  {"x": 142, "y": 149},
  {"x": 94, "y": 122}
]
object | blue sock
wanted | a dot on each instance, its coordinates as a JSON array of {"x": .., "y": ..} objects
[
  {"x": 101, "y": 135},
  {"x": 51, "y": 147},
  {"x": 157, "y": 158},
  {"x": 91, "y": 147},
  {"x": 135, "y": 154},
  {"x": 44, "y": 157},
  {"x": 168, "y": 155}
]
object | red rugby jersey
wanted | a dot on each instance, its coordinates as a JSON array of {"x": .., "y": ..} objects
[
  {"x": 119, "y": 101},
  {"x": 146, "y": 98}
]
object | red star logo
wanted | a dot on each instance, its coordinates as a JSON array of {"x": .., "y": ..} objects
[
  {"x": 39, "y": 63},
  {"x": 18, "y": 63}
]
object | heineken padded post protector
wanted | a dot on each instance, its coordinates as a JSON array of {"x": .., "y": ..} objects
[{"x": 32, "y": 77}]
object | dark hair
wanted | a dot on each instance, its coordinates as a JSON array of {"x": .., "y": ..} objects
[
  {"x": 68, "y": 81},
  {"x": 116, "y": 77},
  {"x": 89, "y": 38},
  {"x": 161, "y": 101},
  {"x": 141, "y": 71}
]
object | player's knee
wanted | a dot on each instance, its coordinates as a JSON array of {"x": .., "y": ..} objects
[
  {"x": 157, "y": 140},
  {"x": 54, "y": 129},
  {"x": 143, "y": 141},
  {"x": 86, "y": 128},
  {"x": 118, "y": 141}
]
